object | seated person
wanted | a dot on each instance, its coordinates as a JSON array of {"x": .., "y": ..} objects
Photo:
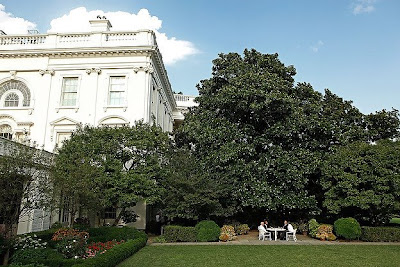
[
  {"x": 266, "y": 227},
  {"x": 261, "y": 230},
  {"x": 288, "y": 227}
]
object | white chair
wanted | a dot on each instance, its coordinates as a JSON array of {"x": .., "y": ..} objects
[
  {"x": 291, "y": 235},
  {"x": 262, "y": 234}
]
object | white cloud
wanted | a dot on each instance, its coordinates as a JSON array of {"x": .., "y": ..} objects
[
  {"x": 363, "y": 6},
  {"x": 14, "y": 25},
  {"x": 315, "y": 48},
  {"x": 172, "y": 49}
]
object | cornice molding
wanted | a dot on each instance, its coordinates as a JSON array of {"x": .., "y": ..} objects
[{"x": 78, "y": 52}]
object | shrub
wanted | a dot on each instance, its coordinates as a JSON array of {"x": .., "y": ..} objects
[
  {"x": 313, "y": 227},
  {"x": 175, "y": 233},
  {"x": 242, "y": 229},
  {"x": 46, "y": 236},
  {"x": 324, "y": 232},
  {"x": 380, "y": 234},
  {"x": 117, "y": 254},
  {"x": 228, "y": 230},
  {"x": 72, "y": 242},
  {"x": 29, "y": 241},
  {"x": 104, "y": 234},
  {"x": 56, "y": 225},
  {"x": 207, "y": 231},
  {"x": 347, "y": 228},
  {"x": 32, "y": 255}
]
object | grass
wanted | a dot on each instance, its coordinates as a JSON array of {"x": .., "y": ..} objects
[{"x": 276, "y": 255}]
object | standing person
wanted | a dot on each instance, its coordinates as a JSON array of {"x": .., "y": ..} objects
[{"x": 158, "y": 223}]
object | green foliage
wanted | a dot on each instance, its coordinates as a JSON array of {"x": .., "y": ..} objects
[
  {"x": 110, "y": 167},
  {"x": 56, "y": 225},
  {"x": 32, "y": 255},
  {"x": 313, "y": 227},
  {"x": 347, "y": 228},
  {"x": 28, "y": 242},
  {"x": 72, "y": 247},
  {"x": 23, "y": 182},
  {"x": 176, "y": 233},
  {"x": 363, "y": 181},
  {"x": 46, "y": 236},
  {"x": 116, "y": 254},
  {"x": 190, "y": 192},
  {"x": 207, "y": 231},
  {"x": 104, "y": 234},
  {"x": 380, "y": 234},
  {"x": 242, "y": 229}
]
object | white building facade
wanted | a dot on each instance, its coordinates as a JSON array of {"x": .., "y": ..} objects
[{"x": 50, "y": 83}]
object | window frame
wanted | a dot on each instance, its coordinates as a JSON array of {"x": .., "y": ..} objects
[
  {"x": 124, "y": 93},
  {"x": 78, "y": 81},
  {"x": 11, "y": 101}
]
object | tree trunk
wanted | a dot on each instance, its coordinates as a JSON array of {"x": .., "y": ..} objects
[{"x": 118, "y": 217}]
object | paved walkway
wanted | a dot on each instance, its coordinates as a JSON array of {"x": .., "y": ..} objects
[{"x": 252, "y": 239}]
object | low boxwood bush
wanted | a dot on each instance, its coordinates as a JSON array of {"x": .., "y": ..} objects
[
  {"x": 380, "y": 234},
  {"x": 347, "y": 228},
  {"x": 116, "y": 254},
  {"x": 175, "y": 233},
  {"x": 207, "y": 231},
  {"x": 45, "y": 256}
]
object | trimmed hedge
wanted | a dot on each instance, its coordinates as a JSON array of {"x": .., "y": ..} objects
[
  {"x": 380, "y": 234},
  {"x": 104, "y": 234},
  {"x": 175, "y": 233},
  {"x": 207, "y": 231},
  {"x": 347, "y": 228},
  {"x": 116, "y": 254},
  {"x": 45, "y": 256}
]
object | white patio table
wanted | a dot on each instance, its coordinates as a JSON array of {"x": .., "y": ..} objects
[{"x": 276, "y": 230}]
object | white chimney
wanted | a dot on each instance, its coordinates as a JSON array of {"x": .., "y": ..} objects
[{"x": 101, "y": 24}]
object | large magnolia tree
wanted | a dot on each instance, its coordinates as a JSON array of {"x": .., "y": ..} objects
[{"x": 262, "y": 138}]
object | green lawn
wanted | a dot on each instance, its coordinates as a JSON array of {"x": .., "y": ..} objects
[{"x": 273, "y": 255}]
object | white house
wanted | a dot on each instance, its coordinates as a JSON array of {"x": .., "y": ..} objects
[{"x": 49, "y": 83}]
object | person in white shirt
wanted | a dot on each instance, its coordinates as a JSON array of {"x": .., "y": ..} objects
[
  {"x": 288, "y": 227},
  {"x": 261, "y": 230}
]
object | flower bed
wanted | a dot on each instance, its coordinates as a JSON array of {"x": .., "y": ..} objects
[{"x": 72, "y": 248}]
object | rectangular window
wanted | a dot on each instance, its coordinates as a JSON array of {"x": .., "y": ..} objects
[
  {"x": 117, "y": 89},
  {"x": 69, "y": 93},
  {"x": 110, "y": 213}
]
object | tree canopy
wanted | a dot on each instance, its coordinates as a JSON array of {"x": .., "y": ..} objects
[
  {"x": 110, "y": 167},
  {"x": 264, "y": 138}
]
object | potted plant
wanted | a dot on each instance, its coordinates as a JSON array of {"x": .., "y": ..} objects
[{"x": 303, "y": 228}]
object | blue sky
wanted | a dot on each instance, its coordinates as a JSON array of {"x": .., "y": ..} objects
[{"x": 351, "y": 47}]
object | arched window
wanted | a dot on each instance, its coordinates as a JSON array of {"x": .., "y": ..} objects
[
  {"x": 11, "y": 100},
  {"x": 6, "y": 131},
  {"x": 17, "y": 85}
]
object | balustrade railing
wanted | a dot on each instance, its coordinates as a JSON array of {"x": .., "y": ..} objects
[{"x": 72, "y": 40}]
